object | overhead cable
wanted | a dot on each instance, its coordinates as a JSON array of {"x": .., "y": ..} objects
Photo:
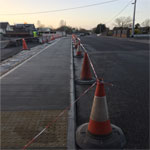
[
  {"x": 64, "y": 9},
  {"x": 119, "y": 12}
]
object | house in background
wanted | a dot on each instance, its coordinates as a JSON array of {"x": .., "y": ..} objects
[
  {"x": 24, "y": 27},
  {"x": 21, "y": 30},
  {"x": 123, "y": 32},
  {"x": 4, "y": 27}
]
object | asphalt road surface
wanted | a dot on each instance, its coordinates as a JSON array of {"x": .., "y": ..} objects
[
  {"x": 13, "y": 50},
  {"x": 125, "y": 64}
]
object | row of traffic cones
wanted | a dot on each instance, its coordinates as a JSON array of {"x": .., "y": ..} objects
[
  {"x": 48, "y": 39},
  {"x": 99, "y": 133},
  {"x": 86, "y": 75},
  {"x": 77, "y": 46}
]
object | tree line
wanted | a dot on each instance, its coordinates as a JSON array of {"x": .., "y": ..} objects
[{"x": 121, "y": 22}]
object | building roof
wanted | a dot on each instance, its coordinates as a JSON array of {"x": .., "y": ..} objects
[
  {"x": 24, "y": 27},
  {"x": 3, "y": 25}
]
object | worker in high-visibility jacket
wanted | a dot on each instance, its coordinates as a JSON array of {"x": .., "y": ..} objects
[{"x": 35, "y": 34}]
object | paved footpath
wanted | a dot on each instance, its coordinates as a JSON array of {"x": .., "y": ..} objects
[{"x": 33, "y": 95}]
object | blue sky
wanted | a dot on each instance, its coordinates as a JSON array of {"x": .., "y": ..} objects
[{"x": 85, "y": 17}]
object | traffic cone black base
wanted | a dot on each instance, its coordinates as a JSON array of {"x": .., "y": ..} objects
[
  {"x": 81, "y": 56},
  {"x": 85, "y": 140},
  {"x": 85, "y": 82}
]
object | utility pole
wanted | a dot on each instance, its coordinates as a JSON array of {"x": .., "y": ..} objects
[{"x": 133, "y": 18}]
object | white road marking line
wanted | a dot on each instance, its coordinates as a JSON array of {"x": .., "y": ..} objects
[{"x": 4, "y": 75}]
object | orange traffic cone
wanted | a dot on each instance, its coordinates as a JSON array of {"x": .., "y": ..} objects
[
  {"x": 99, "y": 120},
  {"x": 86, "y": 76},
  {"x": 77, "y": 44},
  {"x": 74, "y": 43},
  {"x": 79, "y": 53},
  {"x": 73, "y": 35},
  {"x": 99, "y": 133},
  {"x": 24, "y": 45},
  {"x": 52, "y": 37},
  {"x": 86, "y": 72}
]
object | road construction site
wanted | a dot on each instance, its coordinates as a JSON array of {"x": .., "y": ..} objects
[
  {"x": 12, "y": 50},
  {"x": 12, "y": 46},
  {"x": 43, "y": 102},
  {"x": 125, "y": 64}
]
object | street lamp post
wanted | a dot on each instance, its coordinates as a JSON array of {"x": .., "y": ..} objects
[{"x": 133, "y": 18}]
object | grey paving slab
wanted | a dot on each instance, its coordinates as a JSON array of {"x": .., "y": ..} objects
[
  {"x": 18, "y": 127},
  {"x": 41, "y": 83}
]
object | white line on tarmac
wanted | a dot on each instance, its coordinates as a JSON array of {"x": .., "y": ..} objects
[{"x": 4, "y": 75}]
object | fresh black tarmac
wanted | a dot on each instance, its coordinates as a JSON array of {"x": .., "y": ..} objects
[{"x": 125, "y": 64}]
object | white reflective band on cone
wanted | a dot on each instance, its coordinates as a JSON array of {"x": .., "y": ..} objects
[{"x": 99, "y": 109}]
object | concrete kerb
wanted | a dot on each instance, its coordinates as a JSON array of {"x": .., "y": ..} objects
[
  {"x": 81, "y": 56},
  {"x": 72, "y": 111}
]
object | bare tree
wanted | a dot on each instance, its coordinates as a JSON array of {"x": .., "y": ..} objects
[
  {"x": 50, "y": 26},
  {"x": 137, "y": 26},
  {"x": 62, "y": 23},
  {"x": 146, "y": 23},
  {"x": 123, "y": 22},
  {"x": 39, "y": 25}
]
